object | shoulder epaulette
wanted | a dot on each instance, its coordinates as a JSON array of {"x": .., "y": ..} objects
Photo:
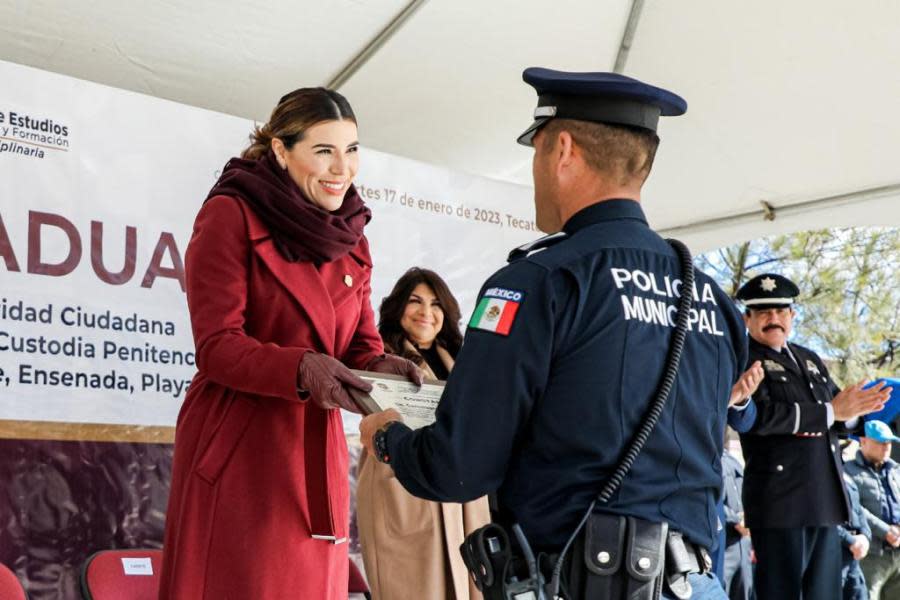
[{"x": 536, "y": 246}]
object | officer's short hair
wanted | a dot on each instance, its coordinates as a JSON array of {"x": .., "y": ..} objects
[{"x": 623, "y": 152}]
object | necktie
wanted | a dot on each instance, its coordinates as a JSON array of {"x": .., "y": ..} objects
[{"x": 787, "y": 354}]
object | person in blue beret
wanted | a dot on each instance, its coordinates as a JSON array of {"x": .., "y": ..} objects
[{"x": 563, "y": 357}]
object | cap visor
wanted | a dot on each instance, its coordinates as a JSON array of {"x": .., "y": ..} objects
[
  {"x": 527, "y": 137},
  {"x": 883, "y": 440},
  {"x": 767, "y": 305}
]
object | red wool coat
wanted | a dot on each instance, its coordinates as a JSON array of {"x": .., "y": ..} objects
[{"x": 258, "y": 476}]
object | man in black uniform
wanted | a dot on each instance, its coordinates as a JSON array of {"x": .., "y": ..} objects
[
  {"x": 567, "y": 345},
  {"x": 793, "y": 480}
]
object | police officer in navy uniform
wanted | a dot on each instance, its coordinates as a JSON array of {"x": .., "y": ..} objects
[
  {"x": 568, "y": 342},
  {"x": 794, "y": 494}
]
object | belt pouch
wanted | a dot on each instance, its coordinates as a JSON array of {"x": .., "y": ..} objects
[
  {"x": 487, "y": 555},
  {"x": 617, "y": 558},
  {"x": 679, "y": 563}
]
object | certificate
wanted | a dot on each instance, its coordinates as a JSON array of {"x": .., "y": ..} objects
[{"x": 415, "y": 405}]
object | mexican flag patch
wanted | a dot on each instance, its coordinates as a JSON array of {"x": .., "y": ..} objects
[{"x": 496, "y": 310}]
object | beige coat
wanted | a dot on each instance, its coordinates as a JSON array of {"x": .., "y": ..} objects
[{"x": 410, "y": 546}]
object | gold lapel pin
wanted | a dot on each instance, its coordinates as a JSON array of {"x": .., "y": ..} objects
[{"x": 348, "y": 280}]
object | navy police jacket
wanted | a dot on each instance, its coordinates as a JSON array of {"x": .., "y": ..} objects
[{"x": 562, "y": 356}]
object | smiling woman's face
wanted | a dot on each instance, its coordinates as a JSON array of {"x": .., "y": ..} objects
[
  {"x": 323, "y": 163},
  {"x": 770, "y": 326},
  {"x": 423, "y": 316}
]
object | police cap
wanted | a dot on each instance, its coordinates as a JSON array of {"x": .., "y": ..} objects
[
  {"x": 768, "y": 290},
  {"x": 600, "y": 97}
]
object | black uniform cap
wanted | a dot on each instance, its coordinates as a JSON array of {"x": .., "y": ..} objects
[
  {"x": 768, "y": 290},
  {"x": 600, "y": 97}
]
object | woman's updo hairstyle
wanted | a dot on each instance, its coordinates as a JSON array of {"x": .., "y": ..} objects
[{"x": 295, "y": 113}]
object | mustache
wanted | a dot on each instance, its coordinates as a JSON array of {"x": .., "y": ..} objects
[{"x": 771, "y": 326}]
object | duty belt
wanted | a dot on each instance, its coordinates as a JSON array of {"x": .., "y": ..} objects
[{"x": 621, "y": 557}]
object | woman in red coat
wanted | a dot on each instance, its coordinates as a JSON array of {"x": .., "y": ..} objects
[{"x": 278, "y": 273}]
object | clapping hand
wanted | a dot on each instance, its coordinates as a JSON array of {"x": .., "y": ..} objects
[
  {"x": 854, "y": 401},
  {"x": 747, "y": 384}
]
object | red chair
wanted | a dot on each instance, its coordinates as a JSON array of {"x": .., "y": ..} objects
[
  {"x": 357, "y": 583},
  {"x": 10, "y": 586},
  {"x": 121, "y": 575}
]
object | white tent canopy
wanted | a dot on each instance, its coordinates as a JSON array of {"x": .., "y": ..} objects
[{"x": 791, "y": 104}]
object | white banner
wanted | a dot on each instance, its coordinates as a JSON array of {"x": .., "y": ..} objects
[{"x": 98, "y": 192}]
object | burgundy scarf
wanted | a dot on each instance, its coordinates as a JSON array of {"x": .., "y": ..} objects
[{"x": 301, "y": 230}]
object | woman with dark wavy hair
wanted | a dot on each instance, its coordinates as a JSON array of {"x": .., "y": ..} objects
[
  {"x": 419, "y": 320},
  {"x": 411, "y": 546}
]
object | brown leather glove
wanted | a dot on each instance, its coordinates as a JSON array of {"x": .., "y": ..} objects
[
  {"x": 325, "y": 380},
  {"x": 394, "y": 365}
]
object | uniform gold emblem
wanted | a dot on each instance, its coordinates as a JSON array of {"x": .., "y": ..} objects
[{"x": 771, "y": 365}]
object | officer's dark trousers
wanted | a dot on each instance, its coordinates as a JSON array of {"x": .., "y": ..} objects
[
  {"x": 852, "y": 576},
  {"x": 797, "y": 564}
]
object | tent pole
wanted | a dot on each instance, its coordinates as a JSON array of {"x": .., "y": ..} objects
[
  {"x": 634, "y": 18},
  {"x": 374, "y": 45}
]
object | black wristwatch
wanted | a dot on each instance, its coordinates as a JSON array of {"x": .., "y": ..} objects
[{"x": 379, "y": 442}]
